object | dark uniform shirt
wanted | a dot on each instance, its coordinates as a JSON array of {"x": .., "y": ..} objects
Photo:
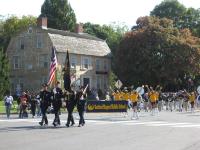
[
  {"x": 45, "y": 97},
  {"x": 57, "y": 95}
]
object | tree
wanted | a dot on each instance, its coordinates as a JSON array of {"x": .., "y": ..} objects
[
  {"x": 4, "y": 73},
  {"x": 157, "y": 53},
  {"x": 112, "y": 33},
  {"x": 182, "y": 17},
  {"x": 13, "y": 25},
  {"x": 60, "y": 14},
  {"x": 170, "y": 9}
]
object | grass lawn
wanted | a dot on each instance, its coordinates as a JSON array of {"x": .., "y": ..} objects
[
  {"x": 2, "y": 107},
  {"x": 14, "y": 108}
]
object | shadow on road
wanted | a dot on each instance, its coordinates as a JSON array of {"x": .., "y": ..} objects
[{"x": 27, "y": 128}]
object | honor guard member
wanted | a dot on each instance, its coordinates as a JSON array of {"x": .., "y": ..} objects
[
  {"x": 45, "y": 102},
  {"x": 70, "y": 104},
  {"x": 57, "y": 102},
  {"x": 81, "y": 105}
]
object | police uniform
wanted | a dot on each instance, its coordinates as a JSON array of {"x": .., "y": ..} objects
[
  {"x": 57, "y": 103},
  {"x": 80, "y": 96},
  {"x": 45, "y": 102},
  {"x": 70, "y": 104}
]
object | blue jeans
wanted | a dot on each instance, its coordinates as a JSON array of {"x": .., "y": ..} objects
[{"x": 8, "y": 108}]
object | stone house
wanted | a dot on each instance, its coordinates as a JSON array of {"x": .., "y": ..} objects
[{"x": 29, "y": 54}]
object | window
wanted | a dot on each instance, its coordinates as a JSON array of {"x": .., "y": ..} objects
[
  {"x": 73, "y": 62},
  {"x": 16, "y": 62},
  {"x": 44, "y": 79},
  {"x": 30, "y": 30},
  {"x": 98, "y": 64},
  {"x": 105, "y": 65},
  {"x": 98, "y": 82},
  {"x": 29, "y": 66},
  {"x": 85, "y": 62},
  {"x": 105, "y": 83},
  {"x": 43, "y": 61},
  {"x": 21, "y": 42},
  {"x": 39, "y": 41},
  {"x": 19, "y": 85}
]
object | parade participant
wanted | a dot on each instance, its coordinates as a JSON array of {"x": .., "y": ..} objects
[
  {"x": 134, "y": 96},
  {"x": 198, "y": 101},
  {"x": 57, "y": 102},
  {"x": 159, "y": 98},
  {"x": 185, "y": 101},
  {"x": 81, "y": 95},
  {"x": 107, "y": 96},
  {"x": 8, "y": 101},
  {"x": 37, "y": 98},
  {"x": 153, "y": 96},
  {"x": 180, "y": 98},
  {"x": 116, "y": 95},
  {"x": 192, "y": 98},
  {"x": 171, "y": 101},
  {"x": 146, "y": 102},
  {"x": 33, "y": 103},
  {"x": 45, "y": 101},
  {"x": 23, "y": 105},
  {"x": 126, "y": 95},
  {"x": 71, "y": 102}
]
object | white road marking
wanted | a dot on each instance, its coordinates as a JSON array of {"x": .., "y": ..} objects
[{"x": 126, "y": 122}]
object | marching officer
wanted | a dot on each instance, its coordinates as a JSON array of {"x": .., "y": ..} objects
[
  {"x": 81, "y": 105},
  {"x": 70, "y": 104},
  {"x": 45, "y": 102},
  {"x": 57, "y": 102}
]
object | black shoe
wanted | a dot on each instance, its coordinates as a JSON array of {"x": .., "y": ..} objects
[
  {"x": 72, "y": 124},
  {"x": 67, "y": 125},
  {"x": 41, "y": 123},
  {"x": 79, "y": 125},
  {"x": 54, "y": 124}
]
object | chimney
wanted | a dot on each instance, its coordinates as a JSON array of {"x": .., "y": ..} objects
[
  {"x": 79, "y": 28},
  {"x": 42, "y": 22}
]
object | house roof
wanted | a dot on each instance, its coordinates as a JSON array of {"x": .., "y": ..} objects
[{"x": 81, "y": 43}]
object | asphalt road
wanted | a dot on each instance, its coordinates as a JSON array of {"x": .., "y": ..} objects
[{"x": 104, "y": 131}]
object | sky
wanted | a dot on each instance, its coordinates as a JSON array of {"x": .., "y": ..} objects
[{"x": 95, "y": 11}]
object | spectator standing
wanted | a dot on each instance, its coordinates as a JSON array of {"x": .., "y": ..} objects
[
  {"x": 8, "y": 100},
  {"x": 23, "y": 106}
]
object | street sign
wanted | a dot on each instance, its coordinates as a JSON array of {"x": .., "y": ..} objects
[{"x": 118, "y": 84}]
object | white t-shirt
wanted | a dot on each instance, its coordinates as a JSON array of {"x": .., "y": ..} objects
[{"x": 8, "y": 99}]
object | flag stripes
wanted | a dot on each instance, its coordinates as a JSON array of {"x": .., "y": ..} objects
[{"x": 53, "y": 66}]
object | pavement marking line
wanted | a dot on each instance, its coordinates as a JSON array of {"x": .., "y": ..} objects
[
  {"x": 125, "y": 122},
  {"x": 144, "y": 123},
  {"x": 187, "y": 126},
  {"x": 168, "y": 124}
]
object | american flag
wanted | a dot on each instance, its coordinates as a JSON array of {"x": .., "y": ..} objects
[{"x": 53, "y": 66}]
